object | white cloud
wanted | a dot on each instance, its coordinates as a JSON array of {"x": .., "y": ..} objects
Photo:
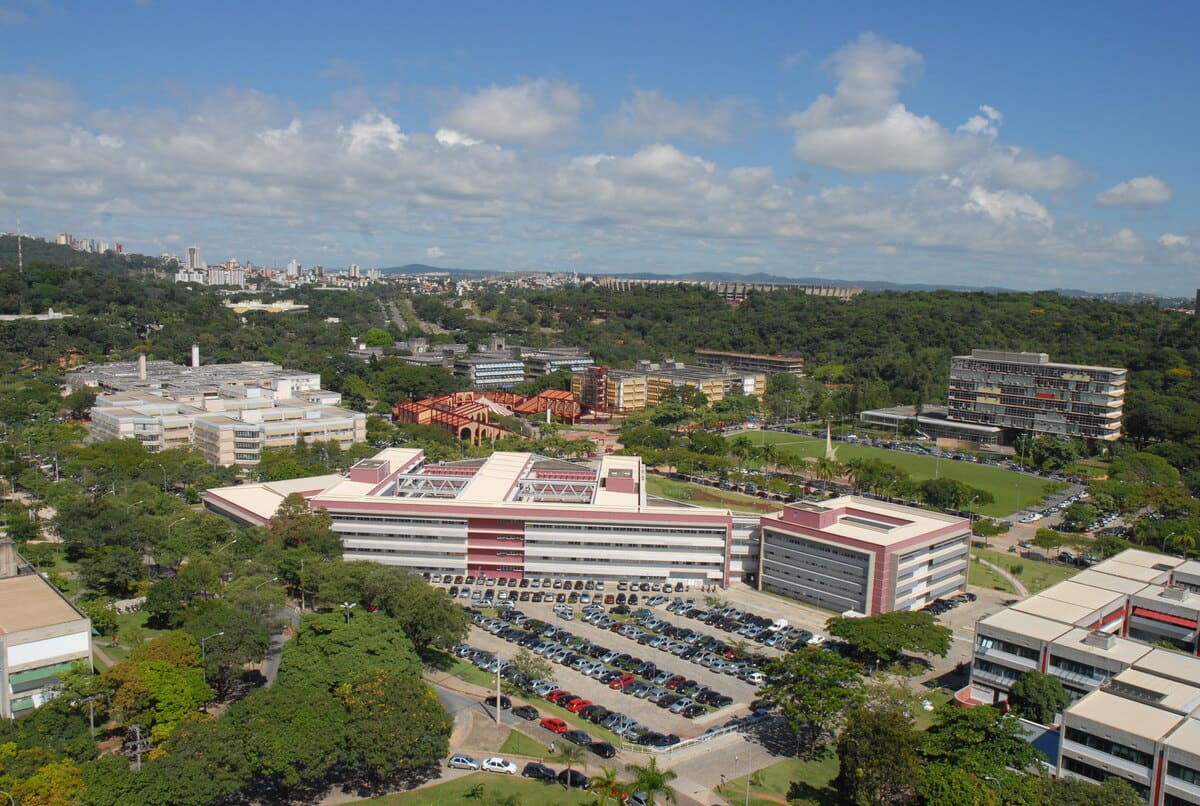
[
  {"x": 449, "y": 138},
  {"x": 864, "y": 129},
  {"x": 1143, "y": 191},
  {"x": 531, "y": 112},
  {"x": 1170, "y": 240},
  {"x": 649, "y": 115},
  {"x": 1004, "y": 205},
  {"x": 372, "y": 131},
  {"x": 1025, "y": 169},
  {"x": 435, "y": 252}
]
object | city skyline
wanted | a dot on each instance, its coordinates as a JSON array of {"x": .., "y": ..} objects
[{"x": 1039, "y": 149}]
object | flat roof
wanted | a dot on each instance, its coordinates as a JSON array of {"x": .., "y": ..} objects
[
  {"x": 1034, "y": 626},
  {"x": 1055, "y": 609},
  {"x": 1138, "y": 573},
  {"x": 496, "y": 479},
  {"x": 1129, "y": 716},
  {"x": 1175, "y": 696},
  {"x": 1099, "y": 579},
  {"x": 1186, "y": 737},
  {"x": 1146, "y": 559},
  {"x": 1120, "y": 649},
  {"x": 29, "y": 602},
  {"x": 865, "y": 520},
  {"x": 1088, "y": 596},
  {"x": 1170, "y": 664}
]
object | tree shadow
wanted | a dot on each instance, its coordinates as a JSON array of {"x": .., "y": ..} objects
[
  {"x": 439, "y": 660},
  {"x": 801, "y": 792}
]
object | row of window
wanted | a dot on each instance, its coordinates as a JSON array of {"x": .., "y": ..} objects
[
  {"x": 636, "y": 530},
  {"x": 1109, "y": 747},
  {"x": 1096, "y": 774},
  {"x": 815, "y": 547},
  {"x": 1185, "y": 774},
  {"x": 999, "y": 644}
]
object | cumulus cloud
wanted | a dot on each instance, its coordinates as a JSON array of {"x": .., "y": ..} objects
[
  {"x": 1024, "y": 169},
  {"x": 371, "y": 132},
  {"x": 863, "y": 128},
  {"x": 449, "y": 138},
  {"x": 1004, "y": 205},
  {"x": 1171, "y": 240},
  {"x": 435, "y": 252},
  {"x": 530, "y": 112},
  {"x": 649, "y": 115},
  {"x": 1142, "y": 191}
]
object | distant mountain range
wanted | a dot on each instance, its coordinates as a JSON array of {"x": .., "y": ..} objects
[{"x": 1129, "y": 297}]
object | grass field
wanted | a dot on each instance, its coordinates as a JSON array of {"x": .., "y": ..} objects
[
  {"x": 772, "y": 785},
  {"x": 518, "y": 744},
  {"x": 1034, "y": 574},
  {"x": 495, "y": 789},
  {"x": 703, "y": 496},
  {"x": 981, "y": 576},
  {"x": 1012, "y": 491}
]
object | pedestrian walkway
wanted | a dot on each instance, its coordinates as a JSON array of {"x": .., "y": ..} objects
[{"x": 1021, "y": 590}]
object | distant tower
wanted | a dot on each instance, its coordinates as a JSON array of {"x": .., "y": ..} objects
[
  {"x": 21, "y": 261},
  {"x": 354, "y": 273},
  {"x": 193, "y": 258}
]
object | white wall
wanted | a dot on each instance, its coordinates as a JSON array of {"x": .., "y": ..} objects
[{"x": 36, "y": 653}]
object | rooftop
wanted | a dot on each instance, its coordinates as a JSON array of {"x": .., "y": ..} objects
[
  {"x": 864, "y": 520},
  {"x": 1186, "y": 737},
  {"x": 29, "y": 602},
  {"x": 1016, "y": 621},
  {"x": 1135, "y": 718},
  {"x": 1109, "y": 582},
  {"x": 1170, "y": 664},
  {"x": 1119, "y": 649},
  {"x": 1162, "y": 692},
  {"x": 1089, "y": 596}
]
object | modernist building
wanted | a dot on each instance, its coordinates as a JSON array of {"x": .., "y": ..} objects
[
  {"x": 490, "y": 370},
  {"x": 610, "y": 390},
  {"x": 858, "y": 554},
  {"x": 933, "y": 422},
  {"x": 511, "y": 515},
  {"x": 543, "y": 362},
  {"x": 41, "y": 635},
  {"x": 751, "y": 362},
  {"x": 1028, "y": 393},
  {"x": 228, "y": 412},
  {"x": 714, "y": 383}
]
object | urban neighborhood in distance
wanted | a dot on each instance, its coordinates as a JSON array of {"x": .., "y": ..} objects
[{"x": 624, "y": 406}]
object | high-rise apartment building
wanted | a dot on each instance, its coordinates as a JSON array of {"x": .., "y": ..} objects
[
  {"x": 1028, "y": 393},
  {"x": 194, "y": 263}
]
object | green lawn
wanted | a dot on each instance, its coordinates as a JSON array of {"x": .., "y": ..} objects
[
  {"x": 518, "y": 744},
  {"x": 981, "y": 576},
  {"x": 1034, "y": 574},
  {"x": 704, "y": 496},
  {"x": 1012, "y": 491},
  {"x": 772, "y": 785},
  {"x": 496, "y": 788}
]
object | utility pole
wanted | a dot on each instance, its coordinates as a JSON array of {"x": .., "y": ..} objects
[
  {"x": 498, "y": 708},
  {"x": 138, "y": 746}
]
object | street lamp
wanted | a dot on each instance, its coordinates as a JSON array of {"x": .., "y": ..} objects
[
  {"x": 11, "y": 801},
  {"x": 227, "y": 545},
  {"x": 1165, "y": 539},
  {"x": 174, "y": 523},
  {"x": 735, "y": 758},
  {"x": 348, "y": 606},
  {"x": 164, "y": 470},
  {"x": 265, "y": 581},
  {"x": 131, "y": 506},
  {"x": 202, "y": 655}
]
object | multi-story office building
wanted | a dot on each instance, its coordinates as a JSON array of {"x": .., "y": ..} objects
[
  {"x": 490, "y": 370},
  {"x": 510, "y": 515},
  {"x": 543, "y": 362},
  {"x": 41, "y": 635},
  {"x": 610, "y": 390},
  {"x": 1028, "y": 393},
  {"x": 228, "y": 412},
  {"x": 714, "y": 383},
  {"x": 751, "y": 362},
  {"x": 858, "y": 554}
]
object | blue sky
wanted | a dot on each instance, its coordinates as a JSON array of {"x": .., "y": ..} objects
[{"x": 1029, "y": 146}]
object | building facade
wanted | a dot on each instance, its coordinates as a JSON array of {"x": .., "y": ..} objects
[
  {"x": 41, "y": 635},
  {"x": 858, "y": 554},
  {"x": 750, "y": 362},
  {"x": 610, "y": 390},
  {"x": 1028, "y": 393},
  {"x": 510, "y": 515}
]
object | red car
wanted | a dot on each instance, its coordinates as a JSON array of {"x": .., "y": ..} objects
[
  {"x": 622, "y": 681},
  {"x": 675, "y": 682},
  {"x": 557, "y": 694},
  {"x": 575, "y": 705},
  {"x": 554, "y": 725},
  {"x": 567, "y": 701}
]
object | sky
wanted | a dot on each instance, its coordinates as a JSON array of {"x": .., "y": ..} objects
[{"x": 1025, "y": 145}]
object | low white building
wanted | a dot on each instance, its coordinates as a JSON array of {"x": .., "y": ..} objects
[{"x": 41, "y": 635}]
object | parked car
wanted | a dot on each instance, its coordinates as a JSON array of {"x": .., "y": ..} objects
[
  {"x": 579, "y": 737},
  {"x": 526, "y": 712},
  {"x": 554, "y": 725},
  {"x": 574, "y": 779},
  {"x": 505, "y": 702},
  {"x": 461, "y": 761},
  {"x": 498, "y": 764},
  {"x": 603, "y": 749},
  {"x": 538, "y": 772}
]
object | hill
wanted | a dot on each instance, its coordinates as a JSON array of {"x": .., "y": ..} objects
[{"x": 36, "y": 250}]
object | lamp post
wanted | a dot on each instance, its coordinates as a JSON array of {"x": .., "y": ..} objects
[
  {"x": 131, "y": 506},
  {"x": 164, "y": 470},
  {"x": 205, "y": 638},
  {"x": 1165, "y": 539},
  {"x": 347, "y": 607},
  {"x": 735, "y": 758},
  {"x": 265, "y": 581},
  {"x": 11, "y": 800},
  {"x": 173, "y": 524},
  {"x": 227, "y": 545}
]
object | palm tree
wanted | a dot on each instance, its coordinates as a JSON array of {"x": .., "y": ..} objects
[
  {"x": 650, "y": 779},
  {"x": 827, "y": 470},
  {"x": 741, "y": 447},
  {"x": 1185, "y": 543},
  {"x": 569, "y": 754},
  {"x": 769, "y": 454},
  {"x": 607, "y": 785}
]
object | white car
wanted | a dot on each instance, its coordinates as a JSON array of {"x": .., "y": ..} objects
[{"x": 498, "y": 764}]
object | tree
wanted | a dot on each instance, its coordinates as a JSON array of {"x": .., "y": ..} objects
[
  {"x": 1112, "y": 791},
  {"x": 327, "y": 651},
  {"x": 530, "y": 666},
  {"x": 1038, "y": 696},
  {"x": 1079, "y": 516},
  {"x": 113, "y": 570},
  {"x": 814, "y": 690},
  {"x": 104, "y": 620},
  {"x": 944, "y": 784},
  {"x": 396, "y": 728},
  {"x": 295, "y": 524},
  {"x": 155, "y": 694},
  {"x": 608, "y": 786},
  {"x": 291, "y": 735},
  {"x": 887, "y": 635},
  {"x": 878, "y": 762},
  {"x": 570, "y": 755},
  {"x": 236, "y": 639},
  {"x": 979, "y": 740},
  {"x": 1048, "y": 539},
  {"x": 427, "y": 614},
  {"x": 650, "y": 779}
]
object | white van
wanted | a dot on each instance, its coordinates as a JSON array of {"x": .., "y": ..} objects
[{"x": 778, "y": 625}]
